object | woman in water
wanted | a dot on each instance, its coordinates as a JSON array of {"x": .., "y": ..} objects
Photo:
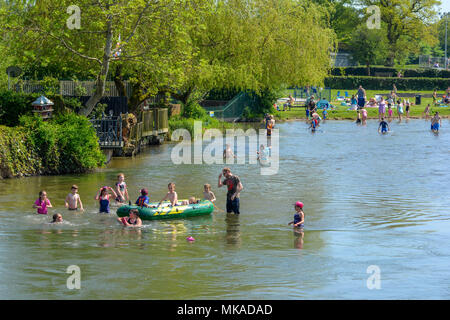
[
  {"x": 132, "y": 220},
  {"x": 103, "y": 198}
]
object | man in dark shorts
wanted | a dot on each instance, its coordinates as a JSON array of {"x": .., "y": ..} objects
[
  {"x": 361, "y": 94},
  {"x": 234, "y": 187}
]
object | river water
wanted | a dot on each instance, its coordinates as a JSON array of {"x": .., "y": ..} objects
[{"x": 377, "y": 225}]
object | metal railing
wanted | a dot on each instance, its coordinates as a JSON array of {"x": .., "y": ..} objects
[
  {"x": 73, "y": 88},
  {"x": 109, "y": 131}
]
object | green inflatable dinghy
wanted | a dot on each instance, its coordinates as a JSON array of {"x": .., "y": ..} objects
[{"x": 204, "y": 207}]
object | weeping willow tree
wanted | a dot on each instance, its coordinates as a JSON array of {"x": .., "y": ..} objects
[
  {"x": 259, "y": 45},
  {"x": 183, "y": 47}
]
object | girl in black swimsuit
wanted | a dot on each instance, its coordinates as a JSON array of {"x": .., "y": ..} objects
[{"x": 133, "y": 220}]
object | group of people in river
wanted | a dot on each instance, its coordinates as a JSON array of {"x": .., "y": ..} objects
[
  {"x": 120, "y": 195},
  {"x": 401, "y": 106}
]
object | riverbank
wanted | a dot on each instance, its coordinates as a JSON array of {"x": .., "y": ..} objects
[
  {"x": 341, "y": 113},
  {"x": 66, "y": 144}
]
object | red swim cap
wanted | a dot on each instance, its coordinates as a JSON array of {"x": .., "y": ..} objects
[{"x": 299, "y": 204}]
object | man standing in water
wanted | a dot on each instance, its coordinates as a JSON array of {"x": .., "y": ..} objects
[{"x": 234, "y": 188}]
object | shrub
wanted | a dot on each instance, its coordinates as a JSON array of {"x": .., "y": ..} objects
[
  {"x": 379, "y": 83},
  {"x": 15, "y": 104},
  {"x": 67, "y": 144},
  {"x": 406, "y": 73},
  {"x": 194, "y": 110}
]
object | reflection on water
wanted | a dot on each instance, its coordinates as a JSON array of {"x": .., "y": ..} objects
[
  {"x": 369, "y": 199},
  {"x": 233, "y": 235}
]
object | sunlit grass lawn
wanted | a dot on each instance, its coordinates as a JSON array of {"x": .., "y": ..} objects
[{"x": 341, "y": 112}]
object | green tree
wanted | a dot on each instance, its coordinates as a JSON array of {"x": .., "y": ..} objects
[
  {"x": 405, "y": 22},
  {"x": 369, "y": 46},
  {"x": 43, "y": 24}
]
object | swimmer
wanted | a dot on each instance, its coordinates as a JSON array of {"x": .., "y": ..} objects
[
  {"x": 436, "y": 122},
  {"x": 228, "y": 153},
  {"x": 103, "y": 198},
  {"x": 171, "y": 195},
  {"x": 57, "y": 218},
  {"x": 73, "y": 198},
  {"x": 143, "y": 199},
  {"x": 384, "y": 126},
  {"x": 121, "y": 189},
  {"x": 262, "y": 153},
  {"x": 299, "y": 216},
  {"x": 208, "y": 194},
  {"x": 42, "y": 203},
  {"x": 132, "y": 220}
]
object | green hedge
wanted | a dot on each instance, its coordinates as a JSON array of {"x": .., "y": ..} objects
[
  {"x": 406, "y": 73},
  {"x": 379, "y": 83}
]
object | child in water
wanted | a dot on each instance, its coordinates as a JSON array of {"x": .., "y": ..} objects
[
  {"x": 208, "y": 194},
  {"x": 171, "y": 195},
  {"x": 364, "y": 115},
  {"x": 263, "y": 153},
  {"x": 143, "y": 200},
  {"x": 121, "y": 189},
  {"x": 57, "y": 218},
  {"x": 227, "y": 152},
  {"x": 384, "y": 126},
  {"x": 299, "y": 216},
  {"x": 103, "y": 198},
  {"x": 42, "y": 203},
  {"x": 132, "y": 220},
  {"x": 73, "y": 198}
]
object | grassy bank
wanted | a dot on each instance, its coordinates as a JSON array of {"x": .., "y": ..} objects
[{"x": 341, "y": 112}]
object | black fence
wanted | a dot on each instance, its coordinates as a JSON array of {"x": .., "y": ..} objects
[
  {"x": 109, "y": 131},
  {"x": 115, "y": 105}
]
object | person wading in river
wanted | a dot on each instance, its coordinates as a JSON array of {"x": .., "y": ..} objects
[{"x": 234, "y": 188}]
